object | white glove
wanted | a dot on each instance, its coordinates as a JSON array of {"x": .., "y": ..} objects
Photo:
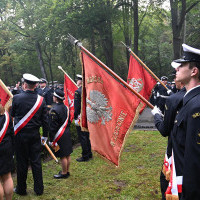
[
  {"x": 51, "y": 144},
  {"x": 44, "y": 140},
  {"x": 77, "y": 122},
  {"x": 158, "y": 94},
  {"x": 156, "y": 110},
  {"x": 169, "y": 92}
]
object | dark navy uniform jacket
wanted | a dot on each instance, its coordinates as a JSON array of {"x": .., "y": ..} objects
[
  {"x": 22, "y": 104},
  {"x": 47, "y": 94},
  {"x": 77, "y": 102},
  {"x": 6, "y": 147},
  {"x": 161, "y": 99},
  {"x": 58, "y": 115},
  {"x": 186, "y": 145},
  {"x": 165, "y": 125}
]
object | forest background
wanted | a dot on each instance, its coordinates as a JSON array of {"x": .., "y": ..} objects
[{"x": 33, "y": 34}]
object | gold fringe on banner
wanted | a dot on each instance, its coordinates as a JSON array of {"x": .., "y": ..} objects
[
  {"x": 9, "y": 103},
  {"x": 163, "y": 170},
  {"x": 171, "y": 197},
  {"x": 168, "y": 174}
]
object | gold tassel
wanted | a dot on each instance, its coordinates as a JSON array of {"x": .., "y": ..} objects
[
  {"x": 56, "y": 148},
  {"x": 175, "y": 197},
  {"x": 163, "y": 170},
  {"x": 168, "y": 174},
  {"x": 168, "y": 196},
  {"x": 171, "y": 197}
]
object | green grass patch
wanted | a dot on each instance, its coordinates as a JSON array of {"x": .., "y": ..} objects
[{"x": 137, "y": 177}]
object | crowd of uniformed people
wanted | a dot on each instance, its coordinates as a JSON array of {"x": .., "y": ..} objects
[
  {"x": 176, "y": 114},
  {"x": 36, "y": 105}
]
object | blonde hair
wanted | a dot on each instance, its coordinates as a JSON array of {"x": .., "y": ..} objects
[{"x": 2, "y": 109}]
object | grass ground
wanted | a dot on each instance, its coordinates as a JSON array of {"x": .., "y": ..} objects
[{"x": 137, "y": 177}]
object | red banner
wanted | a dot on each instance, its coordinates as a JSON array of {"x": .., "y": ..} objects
[
  {"x": 69, "y": 90},
  {"x": 5, "y": 95},
  {"x": 111, "y": 108},
  {"x": 140, "y": 79}
]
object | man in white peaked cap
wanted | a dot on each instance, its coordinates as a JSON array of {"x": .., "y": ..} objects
[
  {"x": 186, "y": 130},
  {"x": 30, "y": 113}
]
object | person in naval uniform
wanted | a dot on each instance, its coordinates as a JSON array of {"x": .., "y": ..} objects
[
  {"x": 83, "y": 136},
  {"x": 165, "y": 125},
  {"x": 30, "y": 113},
  {"x": 186, "y": 131},
  {"x": 60, "y": 137},
  {"x": 6, "y": 154}
]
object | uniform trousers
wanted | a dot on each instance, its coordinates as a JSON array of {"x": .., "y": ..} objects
[
  {"x": 85, "y": 143},
  {"x": 28, "y": 148}
]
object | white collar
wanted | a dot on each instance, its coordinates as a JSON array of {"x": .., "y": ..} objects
[{"x": 191, "y": 89}]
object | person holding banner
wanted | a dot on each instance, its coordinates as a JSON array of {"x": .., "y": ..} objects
[
  {"x": 165, "y": 125},
  {"x": 82, "y": 135},
  {"x": 59, "y": 123},
  {"x": 6, "y": 154},
  {"x": 30, "y": 113},
  {"x": 186, "y": 130}
]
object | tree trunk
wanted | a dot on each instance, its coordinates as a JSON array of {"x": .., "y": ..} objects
[
  {"x": 39, "y": 52},
  {"x": 178, "y": 18},
  {"x": 136, "y": 27}
]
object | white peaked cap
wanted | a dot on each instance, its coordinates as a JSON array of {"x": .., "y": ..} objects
[
  {"x": 175, "y": 65},
  {"x": 30, "y": 78},
  {"x": 190, "y": 49}
]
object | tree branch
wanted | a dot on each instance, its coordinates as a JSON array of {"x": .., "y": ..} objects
[{"x": 192, "y": 6}]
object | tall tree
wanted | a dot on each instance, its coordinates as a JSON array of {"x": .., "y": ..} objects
[{"x": 179, "y": 9}]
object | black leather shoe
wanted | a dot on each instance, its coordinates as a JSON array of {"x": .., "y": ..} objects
[
  {"x": 39, "y": 194},
  {"x": 15, "y": 190},
  {"x": 59, "y": 176},
  {"x": 90, "y": 156},
  {"x": 81, "y": 159}
]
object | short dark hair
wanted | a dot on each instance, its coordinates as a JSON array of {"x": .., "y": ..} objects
[
  {"x": 31, "y": 86},
  {"x": 59, "y": 100},
  {"x": 195, "y": 64}
]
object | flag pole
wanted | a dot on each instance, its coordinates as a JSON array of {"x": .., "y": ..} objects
[
  {"x": 49, "y": 150},
  {"x": 59, "y": 67},
  {"x": 79, "y": 44},
  {"x": 136, "y": 57},
  {"x": 51, "y": 153}
]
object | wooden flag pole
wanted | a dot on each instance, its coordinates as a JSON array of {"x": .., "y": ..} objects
[
  {"x": 59, "y": 67},
  {"x": 76, "y": 42},
  {"x": 49, "y": 150},
  {"x": 137, "y": 58},
  {"x": 51, "y": 153}
]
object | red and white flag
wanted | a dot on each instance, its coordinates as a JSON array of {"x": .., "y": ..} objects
[
  {"x": 109, "y": 110},
  {"x": 69, "y": 89},
  {"x": 140, "y": 79},
  {"x": 175, "y": 183},
  {"x": 5, "y": 96}
]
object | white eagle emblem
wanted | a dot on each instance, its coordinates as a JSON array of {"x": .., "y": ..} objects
[
  {"x": 136, "y": 84},
  {"x": 97, "y": 108}
]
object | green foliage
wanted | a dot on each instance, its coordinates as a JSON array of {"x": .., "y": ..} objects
[
  {"x": 74, "y": 135},
  {"x": 100, "y": 24},
  {"x": 136, "y": 178}
]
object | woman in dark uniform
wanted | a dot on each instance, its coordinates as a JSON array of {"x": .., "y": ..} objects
[
  {"x": 6, "y": 154},
  {"x": 60, "y": 134}
]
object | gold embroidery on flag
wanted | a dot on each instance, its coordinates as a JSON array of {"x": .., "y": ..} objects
[{"x": 119, "y": 123}]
